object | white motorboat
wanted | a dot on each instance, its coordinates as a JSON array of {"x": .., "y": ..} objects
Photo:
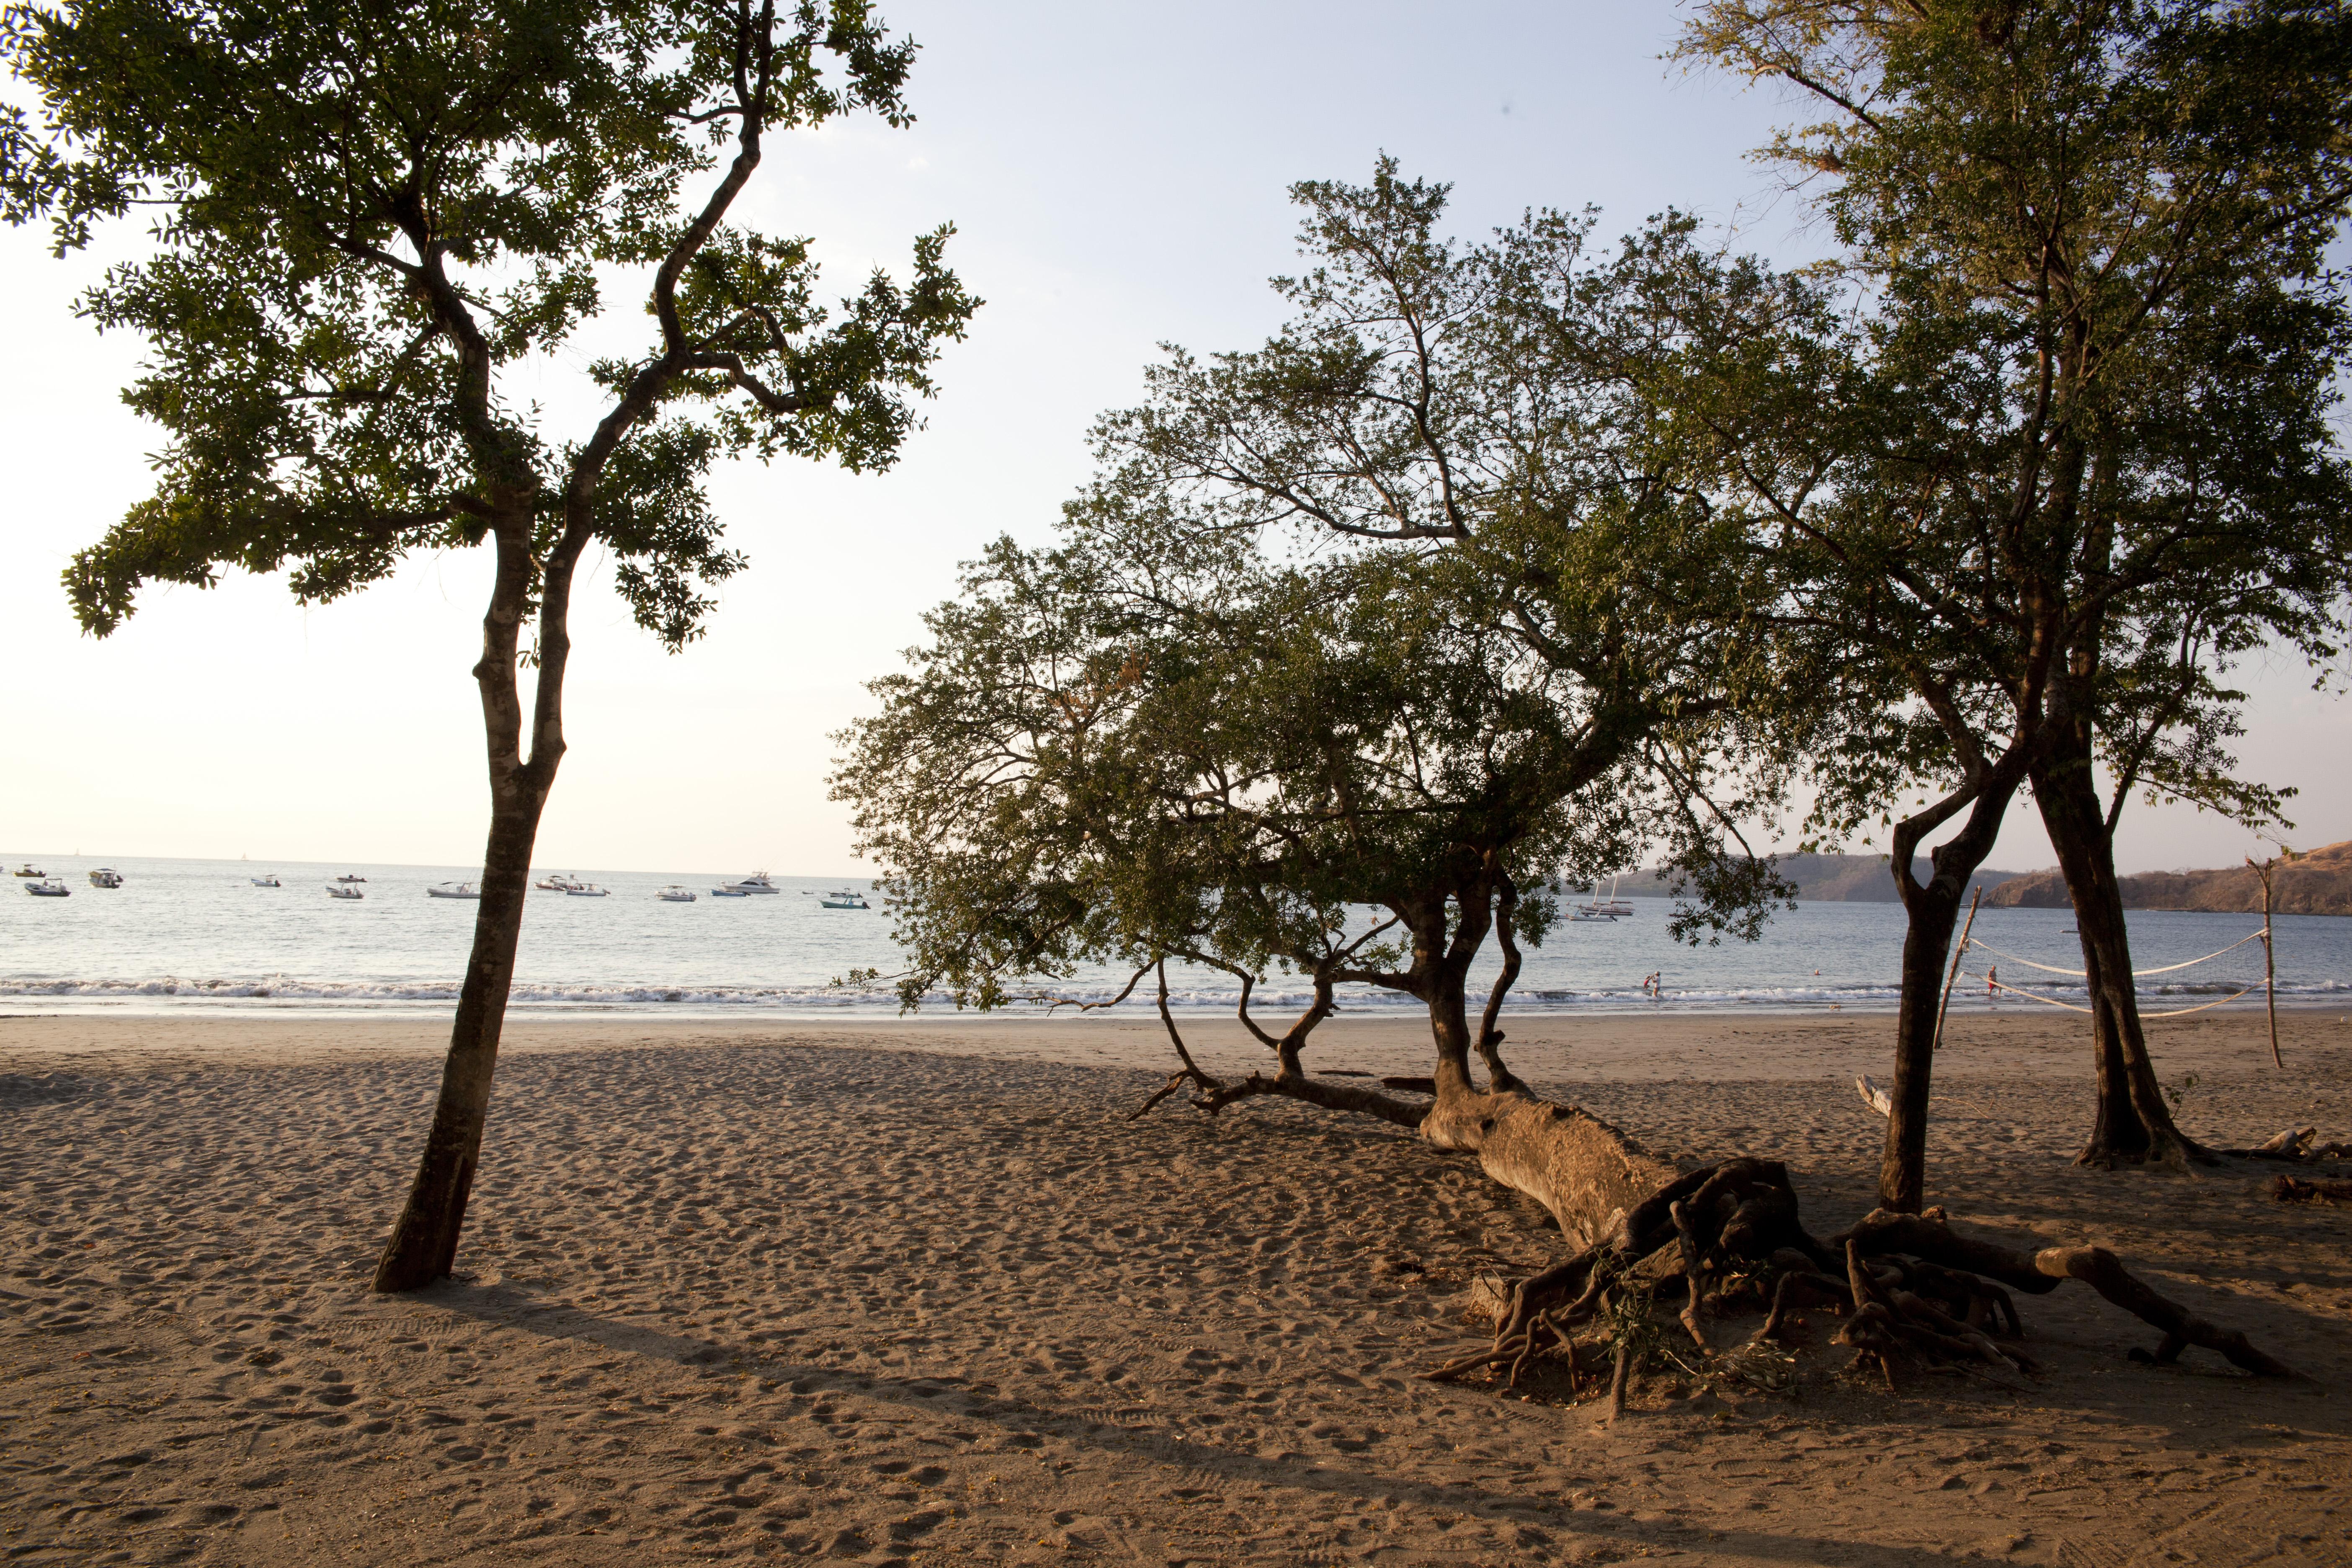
[
  {"x": 585, "y": 890},
  {"x": 45, "y": 888},
  {"x": 106, "y": 877},
  {"x": 844, "y": 899},
  {"x": 453, "y": 890},
  {"x": 338, "y": 893},
  {"x": 348, "y": 878},
  {"x": 558, "y": 882},
  {"x": 757, "y": 882},
  {"x": 727, "y": 891},
  {"x": 28, "y": 869},
  {"x": 269, "y": 881},
  {"x": 674, "y": 894}
]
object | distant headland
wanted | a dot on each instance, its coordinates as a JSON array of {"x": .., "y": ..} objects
[{"x": 2319, "y": 883}]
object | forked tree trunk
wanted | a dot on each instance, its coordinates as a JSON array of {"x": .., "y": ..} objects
[
  {"x": 424, "y": 1244},
  {"x": 2131, "y": 1122},
  {"x": 1932, "y": 909}
]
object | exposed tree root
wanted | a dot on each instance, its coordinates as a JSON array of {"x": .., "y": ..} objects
[
  {"x": 2294, "y": 1190},
  {"x": 1909, "y": 1290}
]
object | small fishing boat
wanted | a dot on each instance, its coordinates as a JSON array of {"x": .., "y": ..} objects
[
  {"x": 268, "y": 882},
  {"x": 46, "y": 889},
  {"x": 453, "y": 890},
  {"x": 558, "y": 882},
  {"x": 348, "y": 878},
  {"x": 757, "y": 882},
  {"x": 335, "y": 892},
  {"x": 585, "y": 890},
  {"x": 26, "y": 869},
  {"x": 106, "y": 877},
  {"x": 844, "y": 899},
  {"x": 724, "y": 892},
  {"x": 674, "y": 894}
]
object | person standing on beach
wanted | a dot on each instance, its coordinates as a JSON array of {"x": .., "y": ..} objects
[{"x": 1992, "y": 982}]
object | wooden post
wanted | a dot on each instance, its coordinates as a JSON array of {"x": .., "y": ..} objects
[
  {"x": 2269, "y": 959},
  {"x": 1957, "y": 953}
]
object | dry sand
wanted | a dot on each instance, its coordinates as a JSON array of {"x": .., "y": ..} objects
[{"x": 919, "y": 1293}]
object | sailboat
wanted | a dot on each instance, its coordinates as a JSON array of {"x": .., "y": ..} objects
[{"x": 1611, "y": 908}]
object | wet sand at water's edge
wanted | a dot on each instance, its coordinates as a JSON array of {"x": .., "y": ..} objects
[{"x": 920, "y": 1292}]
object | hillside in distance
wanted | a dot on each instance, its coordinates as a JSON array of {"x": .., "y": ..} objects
[
  {"x": 1832, "y": 879},
  {"x": 2319, "y": 883}
]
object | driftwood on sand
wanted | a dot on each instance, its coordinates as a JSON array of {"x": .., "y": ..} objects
[{"x": 1910, "y": 1291}]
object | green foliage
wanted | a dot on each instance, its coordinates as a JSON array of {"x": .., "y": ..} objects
[
  {"x": 1406, "y": 611},
  {"x": 2050, "y": 448},
  {"x": 368, "y": 216}
]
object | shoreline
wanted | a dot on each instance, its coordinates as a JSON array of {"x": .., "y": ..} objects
[{"x": 1558, "y": 1049}]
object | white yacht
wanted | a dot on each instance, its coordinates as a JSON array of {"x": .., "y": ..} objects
[
  {"x": 674, "y": 894},
  {"x": 453, "y": 890},
  {"x": 45, "y": 888},
  {"x": 844, "y": 899},
  {"x": 334, "y": 891},
  {"x": 757, "y": 882},
  {"x": 106, "y": 877},
  {"x": 585, "y": 890}
]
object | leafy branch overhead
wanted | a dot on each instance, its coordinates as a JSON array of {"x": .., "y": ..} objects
[{"x": 369, "y": 216}]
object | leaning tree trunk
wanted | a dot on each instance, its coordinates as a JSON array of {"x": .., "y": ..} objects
[
  {"x": 2132, "y": 1123},
  {"x": 423, "y": 1245},
  {"x": 1933, "y": 909}
]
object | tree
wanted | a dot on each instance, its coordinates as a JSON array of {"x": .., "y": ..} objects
[
  {"x": 1203, "y": 727},
  {"x": 2079, "y": 413},
  {"x": 368, "y": 217}
]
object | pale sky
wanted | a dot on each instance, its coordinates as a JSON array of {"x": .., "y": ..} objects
[{"x": 1117, "y": 172}]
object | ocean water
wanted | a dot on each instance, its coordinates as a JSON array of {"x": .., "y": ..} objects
[{"x": 195, "y": 934}]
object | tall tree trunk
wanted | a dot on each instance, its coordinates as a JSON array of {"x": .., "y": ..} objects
[
  {"x": 424, "y": 1244},
  {"x": 2132, "y": 1123}
]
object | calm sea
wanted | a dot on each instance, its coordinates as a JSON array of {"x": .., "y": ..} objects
[{"x": 196, "y": 935}]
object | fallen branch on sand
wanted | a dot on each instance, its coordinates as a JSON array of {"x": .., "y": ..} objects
[
  {"x": 1909, "y": 1289},
  {"x": 2296, "y": 1145},
  {"x": 2294, "y": 1190}
]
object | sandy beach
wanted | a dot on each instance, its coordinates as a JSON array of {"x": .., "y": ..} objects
[{"x": 919, "y": 1291}]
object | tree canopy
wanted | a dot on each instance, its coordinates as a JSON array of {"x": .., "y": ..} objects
[
  {"x": 369, "y": 214},
  {"x": 2053, "y": 442},
  {"x": 1409, "y": 609}
]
